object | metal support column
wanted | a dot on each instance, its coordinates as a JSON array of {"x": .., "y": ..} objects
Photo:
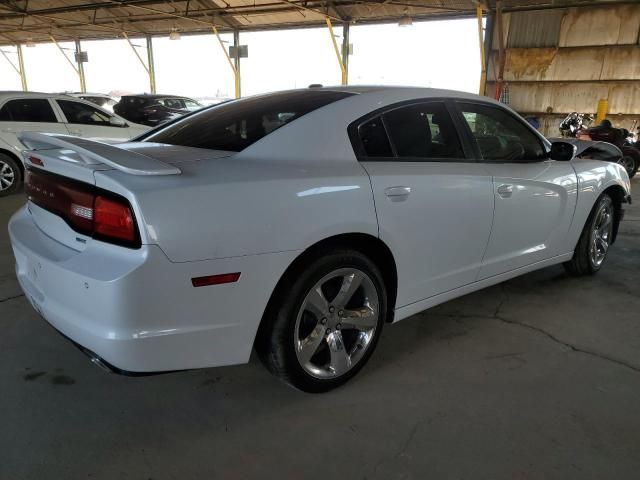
[
  {"x": 71, "y": 62},
  {"x": 236, "y": 63},
  {"x": 18, "y": 69},
  {"x": 140, "y": 59},
  {"x": 83, "y": 83},
  {"x": 345, "y": 52},
  {"x": 232, "y": 62},
  {"x": 152, "y": 69},
  {"x": 501, "y": 51},
  {"x": 483, "y": 58},
  {"x": 343, "y": 70},
  {"x": 23, "y": 74}
]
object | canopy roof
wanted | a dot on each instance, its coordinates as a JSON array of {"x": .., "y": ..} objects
[{"x": 38, "y": 20}]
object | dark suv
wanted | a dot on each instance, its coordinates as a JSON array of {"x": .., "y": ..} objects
[{"x": 154, "y": 109}]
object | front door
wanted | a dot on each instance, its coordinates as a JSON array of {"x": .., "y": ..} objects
[
  {"x": 535, "y": 197},
  {"x": 434, "y": 206},
  {"x": 88, "y": 121}
]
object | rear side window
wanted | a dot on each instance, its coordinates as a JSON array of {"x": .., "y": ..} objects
[
  {"x": 374, "y": 139},
  {"x": 235, "y": 125},
  {"x": 28, "y": 110},
  {"x": 423, "y": 131}
]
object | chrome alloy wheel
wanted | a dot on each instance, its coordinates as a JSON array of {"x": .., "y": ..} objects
[
  {"x": 7, "y": 176},
  {"x": 601, "y": 234},
  {"x": 336, "y": 323}
]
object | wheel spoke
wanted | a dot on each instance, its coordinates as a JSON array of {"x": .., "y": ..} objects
[
  {"x": 340, "y": 359},
  {"x": 309, "y": 346},
  {"x": 316, "y": 303},
  {"x": 604, "y": 245},
  {"x": 604, "y": 227},
  {"x": 364, "y": 318},
  {"x": 350, "y": 283}
]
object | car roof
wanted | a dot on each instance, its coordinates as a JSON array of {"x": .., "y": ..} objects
[{"x": 152, "y": 96}]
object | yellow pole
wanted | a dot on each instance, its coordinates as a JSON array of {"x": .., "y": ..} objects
[
  {"x": 23, "y": 74},
  {"x": 483, "y": 60},
  {"x": 603, "y": 109},
  {"x": 65, "y": 55},
  {"x": 343, "y": 70},
  {"x": 144, "y": 65},
  {"x": 236, "y": 74}
]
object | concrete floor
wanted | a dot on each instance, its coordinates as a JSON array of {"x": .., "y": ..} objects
[{"x": 536, "y": 378}]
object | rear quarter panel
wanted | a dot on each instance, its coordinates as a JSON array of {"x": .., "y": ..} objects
[{"x": 231, "y": 207}]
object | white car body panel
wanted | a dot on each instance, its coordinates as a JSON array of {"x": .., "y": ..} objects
[
  {"x": 257, "y": 210},
  {"x": 441, "y": 227},
  {"x": 532, "y": 215}
]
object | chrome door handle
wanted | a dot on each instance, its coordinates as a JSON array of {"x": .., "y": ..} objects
[
  {"x": 397, "y": 193},
  {"x": 505, "y": 191}
]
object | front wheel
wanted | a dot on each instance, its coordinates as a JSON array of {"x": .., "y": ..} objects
[
  {"x": 325, "y": 322},
  {"x": 10, "y": 175},
  {"x": 629, "y": 164},
  {"x": 595, "y": 239}
]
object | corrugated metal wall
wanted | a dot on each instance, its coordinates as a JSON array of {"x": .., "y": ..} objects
[{"x": 564, "y": 60}]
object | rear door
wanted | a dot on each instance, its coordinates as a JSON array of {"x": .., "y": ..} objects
[
  {"x": 535, "y": 197},
  {"x": 89, "y": 121},
  {"x": 27, "y": 114},
  {"x": 434, "y": 205}
]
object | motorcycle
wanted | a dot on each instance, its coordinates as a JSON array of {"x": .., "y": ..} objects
[{"x": 578, "y": 125}]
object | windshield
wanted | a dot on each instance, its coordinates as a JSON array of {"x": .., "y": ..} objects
[{"x": 235, "y": 125}]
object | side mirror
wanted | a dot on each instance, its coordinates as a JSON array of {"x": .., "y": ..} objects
[
  {"x": 117, "y": 122},
  {"x": 562, "y": 151}
]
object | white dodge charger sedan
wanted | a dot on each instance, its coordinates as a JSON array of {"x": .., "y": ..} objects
[{"x": 298, "y": 223}]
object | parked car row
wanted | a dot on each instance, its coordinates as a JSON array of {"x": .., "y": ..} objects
[
  {"x": 154, "y": 110},
  {"x": 52, "y": 113}
]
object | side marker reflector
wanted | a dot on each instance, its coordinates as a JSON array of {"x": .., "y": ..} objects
[
  {"x": 36, "y": 161},
  {"x": 215, "y": 279}
]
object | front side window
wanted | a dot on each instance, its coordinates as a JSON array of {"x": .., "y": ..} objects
[
  {"x": 28, "y": 110},
  {"x": 235, "y": 125},
  {"x": 81, "y": 113},
  {"x": 500, "y": 136},
  {"x": 424, "y": 131}
]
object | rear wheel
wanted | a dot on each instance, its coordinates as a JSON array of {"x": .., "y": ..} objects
[
  {"x": 630, "y": 164},
  {"x": 10, "y": 175},
  {"x": 595, "y": 240},
  {"x": 325, "y": 322}
]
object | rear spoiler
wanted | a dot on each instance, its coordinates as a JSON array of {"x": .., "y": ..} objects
[{"x": 95, "y": 153}]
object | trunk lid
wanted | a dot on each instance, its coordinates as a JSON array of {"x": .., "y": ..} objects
[{"x": 61, "y": 181}]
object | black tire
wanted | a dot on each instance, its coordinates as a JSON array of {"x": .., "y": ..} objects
[
  {"x": 10, "y": 175},
  {"x": 582, "y": 262},
  {"x": 277, "y": 335},
  {"x": 630, "y": 165}
]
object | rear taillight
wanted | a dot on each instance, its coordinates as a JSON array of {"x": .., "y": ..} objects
[
  {"x": 86, "y": 209},
  {"x": 114, "y": 219}
]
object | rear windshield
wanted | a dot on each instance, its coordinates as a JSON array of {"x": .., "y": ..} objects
[{"x": 235, "y": 125}]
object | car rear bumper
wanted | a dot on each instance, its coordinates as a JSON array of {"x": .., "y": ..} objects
[{"x": 138, "y": 311}]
